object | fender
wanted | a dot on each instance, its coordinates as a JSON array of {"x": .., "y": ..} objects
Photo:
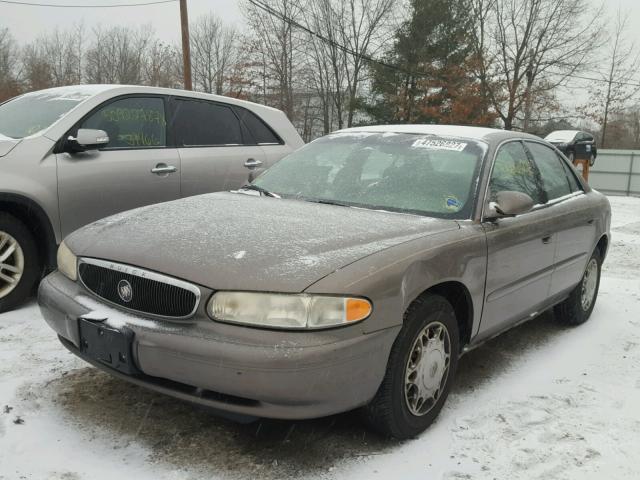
[{"x": 30, "y": 212}]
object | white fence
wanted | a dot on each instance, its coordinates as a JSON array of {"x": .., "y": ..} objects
[{"x": 616, "y": 172}]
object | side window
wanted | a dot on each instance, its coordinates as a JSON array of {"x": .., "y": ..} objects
[
  {"x": 554, "y": 177},
  {"x": 513, "y": 171},
  {"x": 205, "y": 124},
  {"x": 131, "y": 122},
  {"x": 571, "y": 176},
  {"x": 259, "y": 130}
]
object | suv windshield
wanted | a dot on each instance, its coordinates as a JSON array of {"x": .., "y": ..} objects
[
  {"x": 422, "y": 174},
  {"x": 33, "y": 112}
]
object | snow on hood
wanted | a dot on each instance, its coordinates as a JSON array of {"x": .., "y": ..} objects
[{"x": 235, "y": 241}]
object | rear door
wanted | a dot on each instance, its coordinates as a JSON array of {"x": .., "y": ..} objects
[
  {"x": 571, "y": 216},
  {"x": 520, "y": 249},
  {"x": 120, "y": 176},
  {"x": 216, "y": 152}
]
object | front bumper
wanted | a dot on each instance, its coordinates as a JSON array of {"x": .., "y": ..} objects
[{"x": 240, "y": 370}]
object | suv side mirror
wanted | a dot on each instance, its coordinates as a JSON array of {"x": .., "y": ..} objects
[
  {"x": 88, "y": 139},
  {"x": 510, "y": 204}
]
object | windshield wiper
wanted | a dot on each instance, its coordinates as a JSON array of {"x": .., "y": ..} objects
[
  {"x": 263, "y": 191},
  {"x": 328, "y": 202}
]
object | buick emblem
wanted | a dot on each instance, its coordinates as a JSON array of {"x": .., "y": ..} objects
[{"x": 125, "y": 291}]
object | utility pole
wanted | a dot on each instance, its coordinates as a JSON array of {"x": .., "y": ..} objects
[{"x": 186, "y": 49}]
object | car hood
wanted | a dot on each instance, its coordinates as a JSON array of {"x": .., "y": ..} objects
[
  {"x": 7, "y": 144},
  {"x": 237, "y": 241}
]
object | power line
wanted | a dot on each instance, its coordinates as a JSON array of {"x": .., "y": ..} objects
[
  {"x": 603, "y": 80},
  {"x": 57, "y": 5},
  {"x": 333, "y": 43}
]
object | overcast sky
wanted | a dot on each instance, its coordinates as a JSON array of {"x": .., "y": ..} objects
[{"x": 28, "y": 22}]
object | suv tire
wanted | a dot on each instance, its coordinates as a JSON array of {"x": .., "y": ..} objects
[{"x": 19, "y": 260}]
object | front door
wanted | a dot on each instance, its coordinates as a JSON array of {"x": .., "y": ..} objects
[
  {"x": 136, "y": 168},
  {"x": 520, "y": 249},
  {"x": 214, "y": 148}
]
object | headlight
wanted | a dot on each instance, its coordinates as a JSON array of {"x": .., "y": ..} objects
[
  {"x": 287, "y": 311},
  {"x": 67, "y": 262}
]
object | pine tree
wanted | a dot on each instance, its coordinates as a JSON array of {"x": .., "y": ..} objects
[{"x": 433, "y": 82}]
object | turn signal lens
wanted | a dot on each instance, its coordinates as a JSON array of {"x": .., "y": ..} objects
[{"x": 357, "y": 309}]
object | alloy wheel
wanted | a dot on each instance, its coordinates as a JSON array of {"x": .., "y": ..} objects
[{"x": 11, "y": 264}]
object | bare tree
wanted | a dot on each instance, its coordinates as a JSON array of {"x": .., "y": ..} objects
[
  {"x": 117, "y": 55},
  {"x": 525, "y": 48},
  {"x": 276, "y": 43},
  {"x": 618, "y": 82},
  {"x": 213, "y": 50},
  {"x": 161, "y": 65},
  {"x": 8, "y": 64},
  {"x": 327, "y": 62},
  {"x": 362, "y": 30}
]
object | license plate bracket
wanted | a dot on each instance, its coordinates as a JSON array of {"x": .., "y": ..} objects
[{"x": 110, "y": 346}]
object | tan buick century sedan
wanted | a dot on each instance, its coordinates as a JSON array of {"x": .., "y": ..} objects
[{"x": 351, "y": 274}]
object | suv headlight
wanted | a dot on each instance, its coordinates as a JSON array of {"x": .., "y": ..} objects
[
  {"x": 293, "y": 311},
  {"x": 67, "y": 262}
]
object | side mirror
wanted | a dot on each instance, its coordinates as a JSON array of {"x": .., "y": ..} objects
[
  {"x": 510, "y": 204},
  {"x": 88, "y": 139}
]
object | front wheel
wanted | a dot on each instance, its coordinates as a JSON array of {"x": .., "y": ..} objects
[
  {"x": 577, "y": 309},
  {"x": 19, "y": 262},
  {"x": 421, "y": 367}
]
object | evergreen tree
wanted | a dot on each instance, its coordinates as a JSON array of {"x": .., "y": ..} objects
[{"x": 433, "y": 81}]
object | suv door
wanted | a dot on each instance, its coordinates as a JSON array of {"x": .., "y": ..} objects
[
  {"x": 570, "y": 215},
  {"x": 217, "y": 153},
  {"x": 520, "y": 249},
  {"x": 119, "y": 176}
]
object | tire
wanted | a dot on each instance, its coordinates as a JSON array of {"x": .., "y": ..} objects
[
  {"x": 592, "y": 160},
  {"x": 571, "y": 156},
  {"x": 573, "y": 311},
  {"x": 390, "y": 412},
  {"x": 15, "y": 237}
]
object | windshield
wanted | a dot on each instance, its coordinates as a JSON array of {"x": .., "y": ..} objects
[
  {"x": 561, "y": 136},
  {"x": 422, "y": 174},
  {"x": 33, "y": 112}
]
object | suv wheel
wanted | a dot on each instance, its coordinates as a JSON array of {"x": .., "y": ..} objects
[
  {"x": 577, "y": 309},
  {"x": 592, "y": 160},
  {"x": 420, "y": 370},
  {"x": 19, "y": 262}
]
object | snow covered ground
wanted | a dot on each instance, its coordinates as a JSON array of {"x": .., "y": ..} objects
[{"x": 540, "y": 402}]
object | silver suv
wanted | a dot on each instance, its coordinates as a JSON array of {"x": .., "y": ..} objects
[{"x": 72, "y": 155}]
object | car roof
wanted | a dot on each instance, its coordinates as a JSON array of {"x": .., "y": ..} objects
[
  {"x": 490, "y": 135},
  {"x": 564, "y": 132},
  {"x": 95, "y": 89}
]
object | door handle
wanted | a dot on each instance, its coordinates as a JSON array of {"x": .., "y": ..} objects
[
  {"x": 546, "y": 240},
  {"x": 590, "y": 222},
  {"x": 252, "y": 163},
  {"x": 163, "y": 169}
]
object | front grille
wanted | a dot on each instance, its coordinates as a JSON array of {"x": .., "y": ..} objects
[{"x": 139, "y": 290}]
